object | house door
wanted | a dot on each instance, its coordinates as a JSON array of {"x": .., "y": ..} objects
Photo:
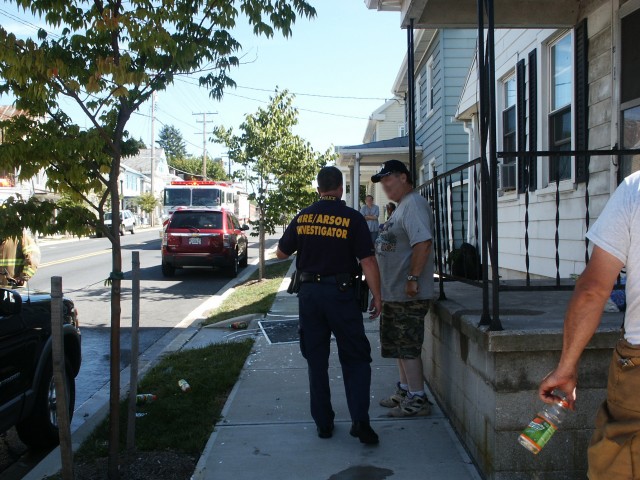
[{"x": 629, "y": 91}]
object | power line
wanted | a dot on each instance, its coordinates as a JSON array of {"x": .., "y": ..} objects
[
  {"x": 27, "y": 23},
  {"x": 164, "y": 125},
  {"x": 302, "y": 109},
  {"x": 271, "y": 90},
  {"x": 298, "y": 94}
]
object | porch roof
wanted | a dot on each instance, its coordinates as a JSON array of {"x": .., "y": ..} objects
[
  {"x": 375, "y": 153},
  {"x": 464, "y": 13}
]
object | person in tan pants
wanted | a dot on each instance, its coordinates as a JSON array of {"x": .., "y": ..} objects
[{"x": 614, "y": 450}]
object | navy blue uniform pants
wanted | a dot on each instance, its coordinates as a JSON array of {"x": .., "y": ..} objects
[{"x": 325, "y": 309}]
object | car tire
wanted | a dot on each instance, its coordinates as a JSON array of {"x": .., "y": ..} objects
[
  {"x": 245, "y": 259},
  {"x": 168, "y": 270},
  {"x": 40, "y": 428},
  {"x": 122, "y": 230},
  {"x": 234, "y": 268},
  {"x": 133, "y": 229}
]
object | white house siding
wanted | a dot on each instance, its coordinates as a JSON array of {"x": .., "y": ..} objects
[
  {"x": 511, "y": 46},
  {"x": 393, "y": 120}
]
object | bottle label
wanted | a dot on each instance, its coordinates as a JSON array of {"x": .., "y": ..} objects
[{"x": 539, "y": 431}]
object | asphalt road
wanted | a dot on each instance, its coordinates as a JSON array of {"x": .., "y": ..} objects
[{"x": 84, "y": 265}]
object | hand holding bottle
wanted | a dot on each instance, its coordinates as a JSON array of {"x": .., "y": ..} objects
[{"x": 562, "y": 380}]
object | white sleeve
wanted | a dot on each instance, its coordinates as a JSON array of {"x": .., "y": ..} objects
[{"x": 612, "y": 230}]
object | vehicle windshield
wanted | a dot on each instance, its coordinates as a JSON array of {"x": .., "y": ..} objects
[
  {"x": 177, "y": 196},
  {"x": 207, "y": 197},
  {"x": 108, "y": 215},
  {"x": 199, "y": 220}
]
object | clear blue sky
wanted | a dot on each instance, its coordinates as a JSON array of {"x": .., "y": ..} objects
[{"x": 345, "y": 51}]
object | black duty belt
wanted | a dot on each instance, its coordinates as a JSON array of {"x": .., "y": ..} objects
[
  {"x": 306, "y": 277},
  {"x": 343, "y": 281}
]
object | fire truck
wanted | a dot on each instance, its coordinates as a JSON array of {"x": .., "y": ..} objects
[{"x": 205, "y": 193}]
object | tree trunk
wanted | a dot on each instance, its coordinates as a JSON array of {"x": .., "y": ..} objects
[
  {"x": 114, "y": 390},
  {"x": 261, "y": 247}
]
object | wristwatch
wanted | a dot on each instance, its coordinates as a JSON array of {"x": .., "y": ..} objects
[{"x": 412, "y": 278}]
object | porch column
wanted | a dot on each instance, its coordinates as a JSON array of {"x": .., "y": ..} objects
[
  {"x": 356, "y": 183},
  {"x": 351, "y": 180}
]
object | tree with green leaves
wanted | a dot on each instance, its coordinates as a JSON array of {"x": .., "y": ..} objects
[
  {"x": 192, "y": 167},
  {"x": 108, "y": 57},
  {"x": 280, "y": 166},
  {"x": 171, "y": 140},
  {"x": 139, "y": 144},
  {"x": 147, "y": 202}
]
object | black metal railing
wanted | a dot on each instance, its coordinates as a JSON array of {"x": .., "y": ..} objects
[
  {"x": 459, "y": 205},
  {"x": 456, "y": 221}
]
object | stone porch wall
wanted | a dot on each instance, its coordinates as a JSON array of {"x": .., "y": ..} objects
[{"x": 487, "y": 381}]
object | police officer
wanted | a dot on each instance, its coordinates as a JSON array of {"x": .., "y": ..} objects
[
  {"x": 19, "y": 259},
  {"x": 330, "y": 238}
]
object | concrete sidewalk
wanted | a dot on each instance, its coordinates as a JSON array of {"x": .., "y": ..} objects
[{"x": 267, "y": 431}]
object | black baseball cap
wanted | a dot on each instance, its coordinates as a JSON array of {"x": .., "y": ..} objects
[{"x": 389, "y": 167}]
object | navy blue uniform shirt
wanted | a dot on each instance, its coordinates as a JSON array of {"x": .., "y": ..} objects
[{"x": 329, "y": 237}]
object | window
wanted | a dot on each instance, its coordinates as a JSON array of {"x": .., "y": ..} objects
[
  {"x": 432, "y": 168},
  {"x": 131, "y": 182},
  {"x": 629, "y": 92},
  {"x": 509, "y": 118},
  {"x": 431, "y": 95},
  {"x": 402, "y": 131},
  {"x": 560, "y": 89}
]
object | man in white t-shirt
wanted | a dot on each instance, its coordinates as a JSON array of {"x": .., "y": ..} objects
[{"x": 614, "y": 451}]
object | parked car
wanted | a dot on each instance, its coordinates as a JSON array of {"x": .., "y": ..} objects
[
  {"x": 27, "y": 389},
  {"x": 206, "y": 237},
  {"x": 128, "y": 221}
]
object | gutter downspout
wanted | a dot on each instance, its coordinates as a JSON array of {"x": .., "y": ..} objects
[{"x": 411, "y": 101}]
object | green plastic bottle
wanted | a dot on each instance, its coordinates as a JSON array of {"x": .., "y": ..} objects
[{"x": 543, "y": 426}]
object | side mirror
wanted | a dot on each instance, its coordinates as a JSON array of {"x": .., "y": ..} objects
[
  {"x": 245, "y": 227},
  {"x": 10, "y": 302}
]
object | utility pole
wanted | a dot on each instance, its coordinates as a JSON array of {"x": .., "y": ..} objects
[
  {"x": 153, "y": 154},
  {"x": 204, "y": 122}
]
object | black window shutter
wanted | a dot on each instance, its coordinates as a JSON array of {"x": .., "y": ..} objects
[
  {"x": 521, "y": 112},
  {"x": 582, "y": 98},
  {"x": 532, "y": 162}
]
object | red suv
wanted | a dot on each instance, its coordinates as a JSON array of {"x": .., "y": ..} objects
[{"x": 204, "y": 237}]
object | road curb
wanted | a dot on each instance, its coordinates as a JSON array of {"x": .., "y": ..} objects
[
  {"x": 94, "y": 410},
  {"x": 224, "y": 324}
]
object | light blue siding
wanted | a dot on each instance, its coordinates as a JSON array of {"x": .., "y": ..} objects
[{"x": 441, "y": 137}]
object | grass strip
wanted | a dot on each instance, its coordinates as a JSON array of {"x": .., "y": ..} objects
[
  {"x": 252, "y": 296},
  {"x": 177, "y": 420}
]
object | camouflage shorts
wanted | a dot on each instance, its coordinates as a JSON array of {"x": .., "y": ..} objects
[{"x": 402, "y": 328}]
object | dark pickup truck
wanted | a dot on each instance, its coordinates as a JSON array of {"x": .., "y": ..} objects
[{"x": 27, "y": 392}]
